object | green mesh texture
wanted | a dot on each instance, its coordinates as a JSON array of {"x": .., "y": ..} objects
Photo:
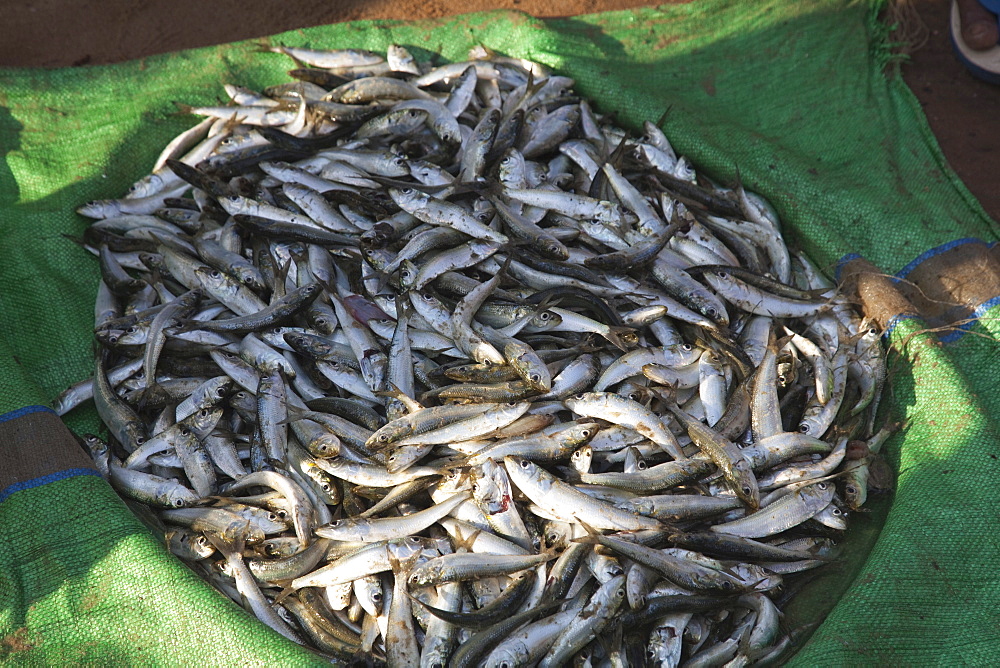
[{"x": 790, "y": 94}]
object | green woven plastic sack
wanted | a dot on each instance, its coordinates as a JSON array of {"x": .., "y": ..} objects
[{"x": 790, "y": 93}]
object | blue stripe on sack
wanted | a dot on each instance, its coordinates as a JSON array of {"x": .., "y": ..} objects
[
  {"x": 895, "y": 320},
  {"x": 905, "y": 271},
  {"x": 961, "y": 330},
  {"x": 842, "y": 261},
  {"x": 27, "y": 410},
  {"x": 44, "y": 480}
]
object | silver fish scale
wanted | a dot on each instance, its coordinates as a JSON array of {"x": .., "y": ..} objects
[{"x": 675, "y": 397}]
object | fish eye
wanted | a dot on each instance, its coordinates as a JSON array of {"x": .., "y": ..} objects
[
  {"x": 544, "y": 315},
  {"x": 392, "y": 458},
  {"x": 873, "y": 331},
  {"x": 400, "y": 162},
  {"x": 113, "y": 339},
  {"x": 335, "y": 523},
  {"x": 851, "y": 489},
  {"x": 641, "y": 466},
  {"x": 837, "y": 512},
  {"x": 620, "y": 593},
  {"x": 713, "y": 312},
  {"x": 535, "y": 378},
  {"x": 525, "y": 464},
  {"x": 179, "y": 503},
  {"x": 203, "y": 413},
  {"x": 139, "y": 440},
  {"x": 821, "y": 485},
  {"x": 383, "y": 438},
  {"x": 132, "y": 330},
  {"x": 475, "y": 488},
  {"x": 272, "y": 517},
  {"x": 326, "y": 487},
  {"x": 405, "y": 191},
  {"x": 376, "y": 596},
  {"x": 687, "y": 347},
  {"x": 234, "y": 198},
  {"x": 216, "y": 274},
  {"x": 585, "y": 433},
  {"x": 804, "y": 428},
  {"x": 504, "y": 664},
  {"x": 727, "y": 585},
  {"x": 722, "y": 274},
  {"x": 221, "y": 392}
]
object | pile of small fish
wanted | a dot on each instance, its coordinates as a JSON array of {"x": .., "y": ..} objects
[{"x": 433, "y": 365}]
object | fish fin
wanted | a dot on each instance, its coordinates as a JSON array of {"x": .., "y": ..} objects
[
  {"x": 183, "y": 108},
  {"x": 402, "y": 567},
  {"x": 264, "y": 46},
  {"x": 152, "y": 395},
  {"x": 466, "y": 543},
  {"x": 663, "y": 117},
  {"x": 283, "y": 594},
  {"x": 617, "y": 156},
  {"x": 412, "y": 405},
  {"x": 618, "y": 335},
  {"x": 77, "y": 240},
  {"x": 229, "y": 544},
  {"x": 394, "y": 564},
  {"x": 589, "y": 529}
]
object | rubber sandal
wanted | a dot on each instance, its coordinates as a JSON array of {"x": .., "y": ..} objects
[{"x": 983, "y": 65}]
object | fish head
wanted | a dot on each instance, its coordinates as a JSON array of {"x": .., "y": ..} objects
[
  {"x": 528, "y": 366},
  {"x": 745, "y": 486},
  {"x": 522, "y": 470},
  {"x": 510, "y": 655},
  {"x": 578, "y": 433},
  {"x": 202, "y": 422}
]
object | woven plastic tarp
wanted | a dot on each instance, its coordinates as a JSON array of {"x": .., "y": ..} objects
[{"x": 792, "y": 94}]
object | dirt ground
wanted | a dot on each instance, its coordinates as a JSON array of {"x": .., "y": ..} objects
[{"x": 964, "y": 113}]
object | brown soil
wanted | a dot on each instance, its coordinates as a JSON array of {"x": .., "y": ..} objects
[{"x": 963, "y": 112}]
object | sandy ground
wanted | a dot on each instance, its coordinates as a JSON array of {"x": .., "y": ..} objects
[{"x": 964, "y": 113}]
